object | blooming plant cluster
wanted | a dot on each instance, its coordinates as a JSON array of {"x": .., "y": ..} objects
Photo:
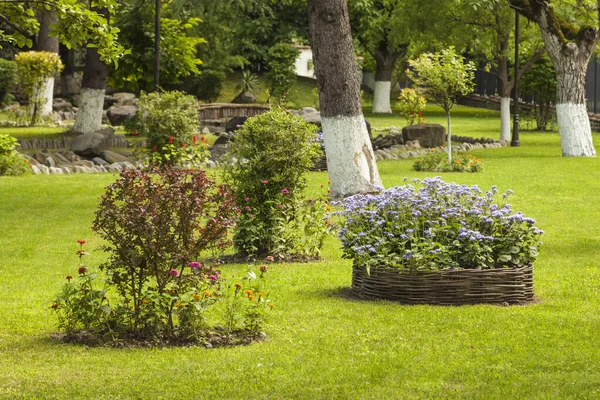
[
  {"x": 411, "y": 105},
  {"x": 436, "y": 160},
  {"x": 437, "y": 225},
  {"x": 173, "y": 153},
  {"x": 278, "y": 150}
]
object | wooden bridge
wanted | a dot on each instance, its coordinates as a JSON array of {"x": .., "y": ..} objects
[{"x": 217, "y": 114}]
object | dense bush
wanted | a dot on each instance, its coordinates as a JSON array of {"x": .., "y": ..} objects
[
  {"x": 411, "y": 105},
  {"x": 11, "y": 162},
  {"x": 8, "y": 77},
  {"x": 275, "y": 151},
  {"x": 157, "y": 224},
  {"x": 34, "y": 67},
  {"x": 281, "y": 74},
  {"x": 207, "y": 85},
  {"x": 170, "y": 121},
  {"x": 437, "y": 226},
  {"x": 436, "y": 160}
]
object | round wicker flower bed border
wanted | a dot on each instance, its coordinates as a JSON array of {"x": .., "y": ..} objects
[{"x": 446, "y": 287}]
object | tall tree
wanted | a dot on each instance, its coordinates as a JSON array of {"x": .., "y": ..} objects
[
  {"x": 350, "y": 159},
  {"x": 47, "y": 41},
  {"x": 493, "y": 20},
  {"x": 569, "y": 48}
]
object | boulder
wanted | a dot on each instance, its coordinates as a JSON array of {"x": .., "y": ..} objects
[
  {"x": 428, "y": 135},
  {"x": 93, "y": 144},
  {"x": 111, "y": 157},
  {"x": 234, "y": 123},
  {"x": 309, "y": 114},
  {"x": 245, "y": 98},
  {"x": 125, "y": 99},
  {"x": 117, "y": 115},
  {"x": 62, "y": 105}
]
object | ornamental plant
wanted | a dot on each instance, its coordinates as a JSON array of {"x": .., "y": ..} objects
[
  {"x": 411, "y": 106},
  {"x": 155, "y": 223},
  {"x": 11, "y": 162},
  {"x": 436, "y": 160},
  {"x": 436, "y": 225},
  {"x": 167, "y": 118},
  {"x": 34, "y": 68},
  {"x": 276, "y": 150}
]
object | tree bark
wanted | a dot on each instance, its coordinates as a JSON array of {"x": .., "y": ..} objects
[
  {"x": 93, "y": 87},
  {"x": 385, "y": 58},
  {"x": 46, "y": 42},
  {"x": 350, "y": 159},
  {"x": 570, "y": 56}
]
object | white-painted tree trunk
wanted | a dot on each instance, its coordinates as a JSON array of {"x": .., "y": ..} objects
[
  {"x": 505, "y": 119},
  {"x": 47, "y": 95},
  {"x": 575, "y": 131},
  {"x": 449, "y": 139},
  {"x": 89, "y": 113},
  {"x": 350, "y": 160},
  {"x": 381, "y": 97}
]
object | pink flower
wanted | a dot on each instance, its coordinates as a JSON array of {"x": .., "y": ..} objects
[
  {"x": 280, "y": 206},
  {"x": 173, "y": 272},
  {"x": 285, "y": 191},
  {"x": 194, "y": 265},
  {"x": 264, "y": 182},
  {"x": 270, "y": 258},
  {"x": 213, "y": 278},
  {"x": 246, "y": 199},
  {"x": 247, "y": 208}
]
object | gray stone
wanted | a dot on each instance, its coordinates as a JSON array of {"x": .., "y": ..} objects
[
  {"x": 205, "y": 131},
  {"x": 211, "y": 164},
  {"x": 245, "y": 98},
  {"x": 44, "y": 169},
  {"x": 84, "y": 163},
  {"x": 113, "y": 157},
  {"x": 309, "y": 114},
  {"x": 428, "y": 135},
  {"x": 60, "y": 159},
  {"x": 35, "y": 169},
  {"x": 118, "y": 114},
  {"x": 100, "y": 161},
  {"x": 125, "y": 99},
  {"x": 127, "y": 165},
  {"x": 66, "y": 170},
  {"x": 62, "y": 105},
  {"x": 93, "y": 144},
  {"x": 115, "y": 167},
  {"x": 49, "y": 162},
  {"x": 57, "y": 171}
]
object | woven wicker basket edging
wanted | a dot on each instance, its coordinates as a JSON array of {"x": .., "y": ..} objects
[{"x": 445, "y": 287}]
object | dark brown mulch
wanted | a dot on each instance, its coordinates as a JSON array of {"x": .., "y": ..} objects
[{"x": 212, "y": 339}]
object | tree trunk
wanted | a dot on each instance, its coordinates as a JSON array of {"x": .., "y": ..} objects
[
  {"x": 505, "y": 119},
  {"x": 570, "y": 56},
  {"x": 449, "y": 137},
  {"x": 93, "y": 86},
  {"x": 385, "y": 59},
  {"x": 350, "y": 159},
  {"x": 45, "y": 42}
]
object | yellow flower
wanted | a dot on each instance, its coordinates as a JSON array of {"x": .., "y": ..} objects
[
  {"x": 178, "y": 304},
  {"x": 271, "y": 305},
  {"x": 207, "y": 293},
  {"x": 249, "y": 292},
  {"x": 196, "y": 296},
  {"x": 250, "y": 297}
]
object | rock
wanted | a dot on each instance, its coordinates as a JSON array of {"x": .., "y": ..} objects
[
  {"x": 84, "y": 163},
  {"x": 79, "y": 169},
  {"x": 205, "y": 131},
  {"x": 100, "y": 161},
  {"x": 93, "y": 144},
  {"x": 44, "y": 169},
  {"x": 35, "y": 169},
  {"x": 57, "y": 171},
  {"x": 223, "y": 139},
  {"x": 245, "y": 98},
  {"x": 62, "y": 105},
  {"x": 115, "y": 167},
  {"x": 428, "y": 135},
  {"x": 309, "y": 114},
  {"x": 60, "y": 159},
  {"x": 234, "y": 124},
  {"x": 211, "y": 164},
  {"x": 66, "y": 170},
  {"x": 112, "y": 157},
  {"x": 49, "y": 162},
  {"x": 125, "y": 99},
  {"x": 118, "y": 114}
]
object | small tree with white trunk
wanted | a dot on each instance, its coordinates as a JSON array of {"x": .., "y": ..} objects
[{"x": 445, "y": 76}]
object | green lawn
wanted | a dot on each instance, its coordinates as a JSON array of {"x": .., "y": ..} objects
[{"x": 322, "y": 344}]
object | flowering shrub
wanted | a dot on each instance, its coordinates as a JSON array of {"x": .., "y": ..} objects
[
  {"x": 11, "y": 162},
  {"x": 437, "y": 226},
  {"x": 276, "y": 149},
  {"x": 436, "y": 160},
  {"x": 172, "y": 153},
  {"x": 411, "y": 105}
]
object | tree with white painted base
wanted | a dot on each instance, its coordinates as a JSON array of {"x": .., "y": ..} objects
[
  {"x": 350, "y": 159},
  {"x": 569, "y": 50},
  {"x": 445, "y": 76}
]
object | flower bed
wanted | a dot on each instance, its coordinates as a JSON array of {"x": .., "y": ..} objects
[{"x": 439, "y": 237}]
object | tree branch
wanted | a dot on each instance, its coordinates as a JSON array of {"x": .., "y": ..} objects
[{"x": 17, "y": 28}]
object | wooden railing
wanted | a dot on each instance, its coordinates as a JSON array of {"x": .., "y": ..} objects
[{"x": 226, "y": 111}]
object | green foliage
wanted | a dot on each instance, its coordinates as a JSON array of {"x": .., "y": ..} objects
[
  {"x": 436, "y": 160},
  {"x": 8, "y": 77},
  {"x": 411, "y": 106},
  {"x": 275, "y": 151},
  {"x": 11, "y": 162},
  {"x": 79, "y": 25},
  {"x": 207, "y": 85},
  {"x": 34, "y": 67},
  {"x": 248, "y": 82},
  {"x": 167, "y": 118},
  {"x": 178, "y": 46},
  {"x": 540, "y": 82},
  {"x": 281, "y": 74}
]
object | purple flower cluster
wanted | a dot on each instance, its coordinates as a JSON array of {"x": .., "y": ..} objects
[{"x": 436, "y": 225}]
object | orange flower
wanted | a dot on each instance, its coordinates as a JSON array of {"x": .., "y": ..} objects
[
  {"x": 55, "y": 306},
  {"x": 145, "y": 301},
  {"x": 178, "y": 304},
  {"x": 238, "y": 286},
  {"x": 196, "y": 296},
  {"x": 260, "y": 294},
  {"x": 207, "y": 293},
  {"x": 250, "y": 298},
  {"x": 249, "y": 292},
  {"x": 271, "y": 305}
]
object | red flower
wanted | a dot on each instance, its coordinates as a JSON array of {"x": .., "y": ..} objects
[
  {"x": 81, "y": 241},
  {"x": 173, "y": 272},
  {"x": 69, "y": 277},
  {"x": 263, "y": 268},
  {"x": 194, "y": 139},
  {"x": 170, "y": 139},
  {"x": 183, "y": 145},
  {"x": 82, "y": 270},
  {"x": 55, "y": 306}
]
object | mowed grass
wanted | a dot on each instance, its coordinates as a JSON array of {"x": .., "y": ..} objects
[{"x": 323, "y": 344}]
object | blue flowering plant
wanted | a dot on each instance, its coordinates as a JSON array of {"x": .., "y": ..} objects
[{"x": 434, "y": 225}]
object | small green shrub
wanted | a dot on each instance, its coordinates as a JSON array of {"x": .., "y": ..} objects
[
  {"x": 8, "y": 77},
  {"x": 436, "y": 160},
  {"x": 281, "y": 74},
  {"x": 411, "y": 105},
  {"x": 207, "y": 85},
  {"x": 275, "y": 151},
  {"x": 11, "y": 162},
  {"x": 167, "y": 118},
  {"x": 34, "y": 67}
]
